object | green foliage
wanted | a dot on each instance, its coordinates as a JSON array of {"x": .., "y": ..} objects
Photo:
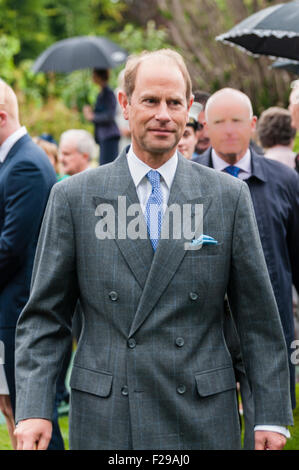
[
  {"x": 296, "y": 144},
  {"x": 9, "y": 47},
  {"x": 136, "y": 39},
  {"x": 39, "y": 23},
  {"x": 77, "y": 89}
]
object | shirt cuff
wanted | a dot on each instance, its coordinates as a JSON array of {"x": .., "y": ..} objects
[
  {"x": 279, "y": 429},
  {"x": 3, "y": 383}
]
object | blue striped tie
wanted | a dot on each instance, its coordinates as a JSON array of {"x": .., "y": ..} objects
[
  {"x": 154, "y": 208},
  {"x": 233, "y": 170}
]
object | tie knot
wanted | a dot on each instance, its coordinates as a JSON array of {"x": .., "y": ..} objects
[
  {"x": 233, "y": 170},
  {"x": 154, "y": 178}
]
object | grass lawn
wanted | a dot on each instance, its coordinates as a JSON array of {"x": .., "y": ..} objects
[{"x": 292, "y": 444}]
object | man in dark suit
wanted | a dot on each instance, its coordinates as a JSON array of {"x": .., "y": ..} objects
[
  {"x": 26, "y": 177},
  {"x": 152, "y": 369},
  {"x": 274, "y": 190}
]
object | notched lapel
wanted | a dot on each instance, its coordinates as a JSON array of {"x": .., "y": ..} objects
[
  {"x": 170, "y": 252},
  {"x": 138, "y": 253}
]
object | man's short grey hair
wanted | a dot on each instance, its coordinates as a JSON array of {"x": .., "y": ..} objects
[{"x": 82, "y": 139}]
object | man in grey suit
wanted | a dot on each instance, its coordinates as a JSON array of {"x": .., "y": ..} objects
[{"x": 152, "y": 369}]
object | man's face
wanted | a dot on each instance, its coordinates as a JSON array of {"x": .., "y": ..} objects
[
  {"x": 294, "y": 108},
  {"x": 72, "y": 161},
  {"x": 230, "y": 127},
  {"x": 188, "y": 141},
  {"x": 157, "y": 111},
  {"x": 203, "y": 142}
]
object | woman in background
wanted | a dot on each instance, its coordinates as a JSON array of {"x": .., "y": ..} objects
[
  {"x": 277, "y": 135},
  {"x": 51, "y": 149}
]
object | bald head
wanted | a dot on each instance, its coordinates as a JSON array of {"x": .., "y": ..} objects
[
  {"x": 8, "y": 101},
  {"x": 226, "y": 95},
  {"x": 9, "y": 111},
  {"x": 230, "y": 123}
]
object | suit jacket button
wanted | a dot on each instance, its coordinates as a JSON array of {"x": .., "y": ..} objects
[
  {"x": 113, "y": 295},
  {"x": 181, "y": 389},
  {"x": 193, "y": 296},
  {"x": 179, "y": 342},
  {"x": 131, "y": 343},
  {"x": 125, "y": 391}
]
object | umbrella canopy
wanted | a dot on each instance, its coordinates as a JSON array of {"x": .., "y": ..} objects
[
  {"x": 273, "y": 31},
  {"x": 289, "y": 65},
  {"x": 80, "y": 52}
]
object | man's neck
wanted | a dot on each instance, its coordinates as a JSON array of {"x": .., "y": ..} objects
[
  {"x": 154, "y": 160},
  {"x": 231, "y": 158},
  {"x": 11, "y": 129}
]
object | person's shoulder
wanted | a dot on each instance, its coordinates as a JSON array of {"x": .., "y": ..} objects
[
  {"x": 277, "y": 171},
  {"x": 200, "y": 166},
  {"x": 216, "y": 183},
  {"x": 28, "y": 159},
  {"x": 85, "y": 181},
  {"x": 28, "y": 151},
  {"x": 202, "y": 158}
]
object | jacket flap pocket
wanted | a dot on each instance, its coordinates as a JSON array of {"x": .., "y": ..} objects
[
  {"x": 91, "y": 381},
  {"x": 215, "y": 381}
]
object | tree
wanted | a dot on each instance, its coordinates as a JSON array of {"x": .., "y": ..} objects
[{"x": 192, "y": 27}]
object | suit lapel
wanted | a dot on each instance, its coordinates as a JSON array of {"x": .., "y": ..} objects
[
  {"x": 120, "y": 193},
  {"x": 186, "y": 189}
]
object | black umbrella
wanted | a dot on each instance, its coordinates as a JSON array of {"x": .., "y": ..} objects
[
  {"x": 286, "y": 64},
  {"x": 80, "y": 52},
  {"x": 273, "y": 31}
]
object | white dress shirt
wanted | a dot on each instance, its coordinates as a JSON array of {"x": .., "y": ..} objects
[
  {"x": 3, "y": 383},
  {"x": 139, "y": 169},
  {"x": 245, "y": 166},
  {"x": 10, "y": 141}
]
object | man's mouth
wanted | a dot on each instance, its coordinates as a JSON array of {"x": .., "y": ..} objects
[{"x": 161, "y": 131}]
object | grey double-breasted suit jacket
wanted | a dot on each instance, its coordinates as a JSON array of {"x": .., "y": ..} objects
[{"x": 152, "y": 369}]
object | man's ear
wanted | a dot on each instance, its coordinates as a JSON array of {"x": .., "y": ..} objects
[
  {"x": 189, "y": 106},
  {"x": 190, "y": 102},
  {"x": 124, "y": 103},
  {"x": 253, "y": 123},
  {"x": 3, "y": 118}
]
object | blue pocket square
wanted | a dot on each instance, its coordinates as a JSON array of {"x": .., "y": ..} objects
[{"x": 204, "y": 240}]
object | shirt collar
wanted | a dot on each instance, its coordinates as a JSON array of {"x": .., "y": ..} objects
[
  {"x": 139, "y": 169},
  {"x": 10, "y": 141},
  {"x": 244, "y": 164}
]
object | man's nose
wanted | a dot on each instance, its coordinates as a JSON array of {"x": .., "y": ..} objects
[
  {"x": 228, "y": 127},
  {"x": 162, "y": 113}
]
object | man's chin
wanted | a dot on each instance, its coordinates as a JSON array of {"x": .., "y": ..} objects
[
  {"x": 230, "y": 157},
  {"x": 161, "y": 148}
]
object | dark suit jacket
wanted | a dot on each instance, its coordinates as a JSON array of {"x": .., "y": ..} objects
[
  {"x": 26, "y": 177},
  {"x": 104, "y": 116},
  {"x": 274, "y": 191}
]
